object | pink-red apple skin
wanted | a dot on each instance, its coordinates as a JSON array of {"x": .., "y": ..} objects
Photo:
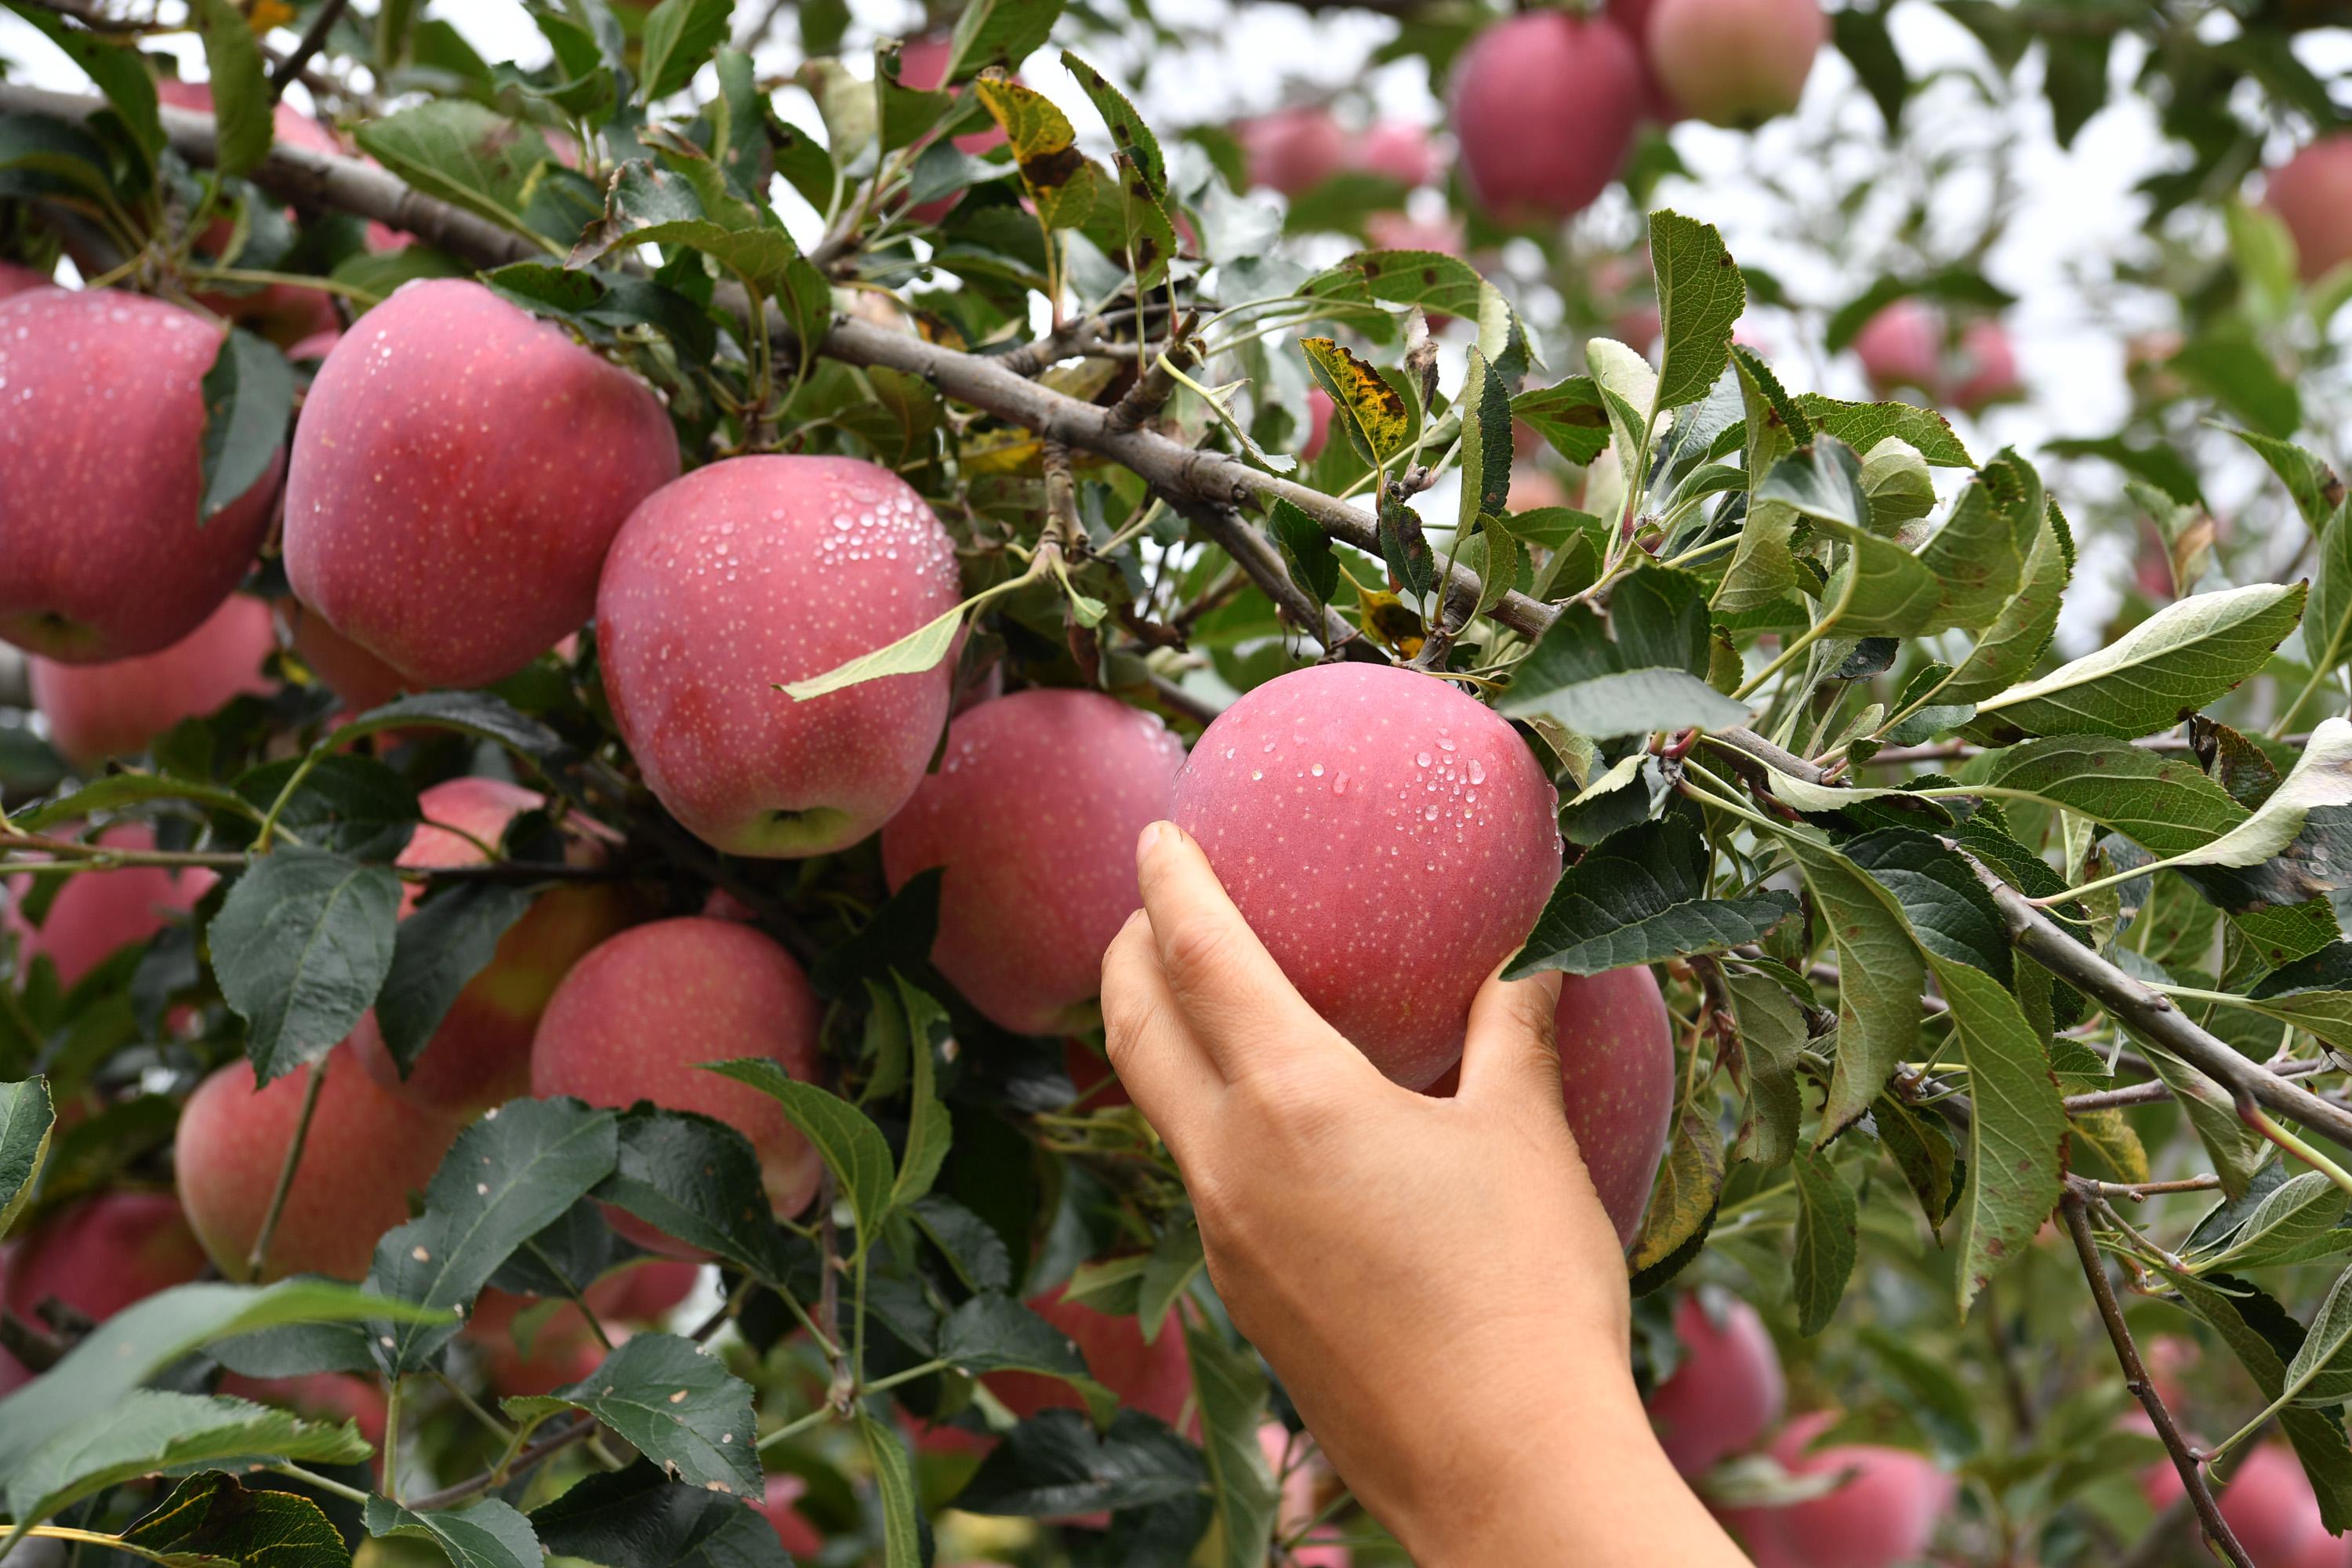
[
  {"x": 1617, "y": 1079},
  {"x": 1390, "y": 839},
  {"x": 1545, "y": 105},
  {"x": 367, "y": 1150},
  {"x": 757, "y": 570},
  {"x": 101, "y": 1255},
  {"x": 102, "y": 552},
  {"x": 779, "y": 1505},
  {"x": 1292, "y": 150},
  {"x": 1399, "y": 150},
  {"x": 2312, "y": 195},
  {"x": 96, "y": 913},
  {"x": 1734, "y": 62},
  {"x": 15, "y": 279},
  {"x": 320, "y": 1395},
  {"x": 1725, "y": 1393},
  {"x": 1988, "y": 367},
  {"x": 639, "y": 1017},
  {"x": 645, "y": 1292},
  {"x": 362, "y": 680},
  {"x": 922, "y": 63},
  {"x": 1034, "y": 812},
  {"x": 1155, "y": 1378},
  {"x": 117, "y": 709},
  {"x": 1902, "y": 346},
  {"x": 1882, "y": 1515},
  {"x": 1299, "y": 1507},
  {"x": 459, "y": 471},
  {"x": 1318, "y": 424},
  {"x": 480, "y": 1056}
]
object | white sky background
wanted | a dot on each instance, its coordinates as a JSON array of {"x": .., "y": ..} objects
[{"x": 2074, "y": 207}]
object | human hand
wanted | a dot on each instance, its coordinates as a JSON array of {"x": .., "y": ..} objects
[{"x": 1433, "y": 1279}]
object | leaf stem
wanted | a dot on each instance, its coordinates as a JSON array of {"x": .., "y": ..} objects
[
  {"x": 2263, "y": 1122},
  {"x": 324, "y": 1483},
  {"x": 259, "y": 1255}
]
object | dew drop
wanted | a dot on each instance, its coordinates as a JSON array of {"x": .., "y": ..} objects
[
  {"x": 1317, "y": 770},
  {"x": 1477, "y": 770},
  {"x": 1421, "y": 759}
]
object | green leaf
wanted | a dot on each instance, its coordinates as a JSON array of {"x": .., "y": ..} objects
[
  {"x": 1881, "y": 977},
  {"x": 1440, "y": 284},
  {"x": 2317, "y": 490},
  {"x": 211, "y": 1516},
  {"x": 1632, "y": 702},
  {"x": 2008, "y": 649},
  {"x": 997, "y": 1333},
  {"x": 474, "y": 713},
  {"x": 1055, "y": 1464},
  {"x": 1176, "y": 1261},
  {"x": 1306, "y": 551},
  {"x": 2295, "y": 1222},
  {"x": 24, "y": 1122},
  {"x": 248, "y": 399},
  {"x": 1828, "y": 1224},
  {"x": 461, "y": 153},
  {"x": 919, "y": 650},
  {"x": 1880, "y": 589},
  {"x": 699, "y": 1180},
  {"x": 486, "y": 1533},
  {"x": 1948, "y": 911},
  {"x": 1129, "y": 134},
  {"x": 1700, "y": 296},
  {"x": 851, "y": 1147},
  {"x": 240, "y": 87},
  {"x": 300, "y": 946},
  {"x": 1569, "y": 415},
  {"x": 638, "y": 1518},
  {"x": 1862, "y": 426},
  {"x": 352, "y": 805},
  {"x": 1772, "y": 1039},
  {"x": 998, "y": 33},
  {"x": 2017, "y": 1135},
  {"x": 894, "y": 1481},
  {"x": 680, "y": 35},
  {"x": 678, "y": 1405},
  {"x": 148, "y": 1336},
  {"x": 1232, "y": 1399},
  {"x": 2175, "y": 662},
  {"x": 439, "y": 948},
  {"x": 2238, "y": 374},
  {"x": 2314, "y": 993},
  {"x": 148, "y": 1430},
  {"x": 117, "y": 66},
  {"x": 1979, "y": 553},
  {"x": 927, "y": 1130},
  {"x": 508, "y": 1177},
  {"x": 1689, "y": 1185},
  {"x": 1485, "y": 442},
  {"x": 1642, "y": 896},
  {"x": 2237, "y": 1150},
  {"x": 1371, "y": 412},
  {"x": 2327, "y": 615},
  {"x": 1922, "y": 1151},
  {"x": 2225, "y": 1305},
  {"x": 2293, "y": 837}
]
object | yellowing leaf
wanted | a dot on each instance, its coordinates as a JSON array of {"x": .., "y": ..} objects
[
  {"x": 1376, "y": 418},
  {"x": 1059, "y": 177}
]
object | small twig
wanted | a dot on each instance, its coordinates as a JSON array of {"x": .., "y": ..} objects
[
  {"x": 2156, "y": 1091},
  {"x": 2136, "y": 1379},
  {"x": 1155, "y": 386},
  {"x": 313, "y": 39},
  {"x": 524, "y": 1461},
  {"x": 2139, "y": 1190},
  {"x": 260, "y": 1255}
]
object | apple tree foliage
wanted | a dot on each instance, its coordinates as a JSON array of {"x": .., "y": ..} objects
[{"x": 1955, "y": 924}]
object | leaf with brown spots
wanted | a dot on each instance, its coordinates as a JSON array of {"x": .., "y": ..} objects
[
  {"x": 1372, "y": 412},
  {"x": 1129, "y": 134},
  {"x": 1059, "y": 178},
  {"x": 1688, "y": 1184}
]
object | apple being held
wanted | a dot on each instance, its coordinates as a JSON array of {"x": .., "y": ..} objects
[
  {"x": 761, "y": 570},
  {"x": 480, "y": 1055},
  {"x": 1390, "y": 839},
  {"x": 1725, "y": 1393},
  {"x": 1544, "y": 104},
  {"x": 103, "y": 551},
  {"x": 117, "y": 709},
  {"x": 2312, "y": 195},
  {"x": 367, "y": 1150},
  {"x": 96, "y": 913},
  {"x": 638, "y": 1018},
  {"x": 1734, "y": 62},
  {"x": 1034, "y": 812},
  {"x": 1292, "y": 150},
  {"x": 459, "y": 471}
]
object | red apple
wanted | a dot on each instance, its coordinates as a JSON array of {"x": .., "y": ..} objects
[
  {"x": 1617, "y": 1079},
  {"x": 15, "y": 279},
  {"x": 98, "y": 912},
  {"x": 117, "y": 709},
  {"x": 1881, "y": 1514},
  {"x": 1734, "y": 62},
  {"x": 1098, "y": 1087},
  {"x": 100, "y": 1254},
  {"x": 639, "y": 1019},
  {"x": 922, "y": 62},
  {"x": 2271, "y": 1508},
  {"x": 1544, "y": 104},
  {"x": 1633, "y": 17},
  {"x": 480, "y": 1056},
  {"x": 367, "y": 1149},
  {"x": 2312, "y": 195},
  {"x": 779, "y": 1505},
  {"x": 1034, "y": 812},
  {"x": 459, "y": 470},
  {"x": 1988, "y": 367},
  {"x": 1390, "y": 839},
  {"x": 563, "y": 1348},
  {"x": 1399, "y": 150},
  {"x": 362, "y": 680},
  {"x": 1155, "y": 1378},
  {"x": 1902, "y": 346},
  {"x": 643, "y": 1292},
  {"x": 756, "y": 571},
  {"x": 1533, "y": 488},
  {"x": 320, "y": 1395},
  {"x": 1318, "y": 424},
  {"x": 1725, "y": 1393},
  {"x": 1292, "y": 150},
  {"x": 102, "y": 552}
]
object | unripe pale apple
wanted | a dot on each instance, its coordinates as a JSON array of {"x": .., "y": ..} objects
[
  {"x": 96, "y": 913},
  {"x": 1617, "y": 1079},
  {"x": 118, "y": 709},
  {"x": 480, "y": 1056},
  {"x": 2312, "y": 195},
  {"x": 100, "y": 1254},
  {"x": 1390, "y": 839},
  {"x": 459, "y": 470},
  {"x": 367, "y": 1150},
  {"x": 362, "y": 680},
  {"x": 15, "y": 279},
  {"x": 1292, "y": 150},
  {"x": 1034, "y": 812},
  {"x": 1543, "y": 106},
  {"x": 1988, "y": 367},
  {"x": 1881, "y": 1514},
  {"x": 1902, "y": 346},
  {"x": 638, "y": 1018},
  {"x": 103, "y": 551},
  {"x": 1727, "y": 1390},
  {"x": 1399, "y": 150},
  {"x": 1155, "y": 1378},
  {"x": 1734, "y": 62},
  {"x": 756, "y": 571}
]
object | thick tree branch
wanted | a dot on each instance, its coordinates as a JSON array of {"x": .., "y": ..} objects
[{"x": 2136, "y": 1378}]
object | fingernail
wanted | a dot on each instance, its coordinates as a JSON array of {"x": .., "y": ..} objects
[{"x": 1156, "y": 836}]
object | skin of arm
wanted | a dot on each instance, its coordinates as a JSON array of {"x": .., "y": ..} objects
[{"x": 1433, "y": 1279}]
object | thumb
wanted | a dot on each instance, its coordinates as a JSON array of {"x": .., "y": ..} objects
[{"x": 1509, "y": 1055}]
